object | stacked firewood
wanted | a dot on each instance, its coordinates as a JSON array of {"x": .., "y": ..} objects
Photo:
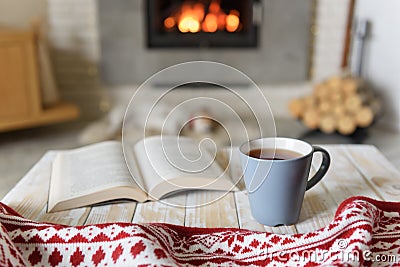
[{"x": 340, "y": 104}]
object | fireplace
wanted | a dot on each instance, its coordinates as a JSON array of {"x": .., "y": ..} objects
[
  {"x": 275, "y": 49},
  {"x": 202, "y": 23}
]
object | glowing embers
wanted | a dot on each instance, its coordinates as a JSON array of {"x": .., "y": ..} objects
[{"x": 195, "y": 17}]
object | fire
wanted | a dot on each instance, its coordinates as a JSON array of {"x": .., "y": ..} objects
[
  {"x": 189, "y": 24},
  {"x": 232, "y": 22},
  {"x": 210, "y": 23},
  {"x": 169, "y": 23},
  {"x": 198, "y": 17}
]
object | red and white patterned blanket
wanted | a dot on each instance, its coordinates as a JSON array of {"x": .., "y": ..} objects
[{"x": 363, "y": 232}]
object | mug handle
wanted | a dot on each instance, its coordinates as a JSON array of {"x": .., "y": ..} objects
[{"x": 326, "y": 161}]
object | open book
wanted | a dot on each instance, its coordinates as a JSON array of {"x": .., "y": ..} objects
[{"x": 159, "y": 166}]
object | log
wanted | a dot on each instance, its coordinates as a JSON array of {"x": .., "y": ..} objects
[
  {"x": 321, "y": 92},
  {"x": 311, "y": 118},
  {"x": 325, "y": 107},
  {"x": 346, "y": 125},
  {"x": 351, "y": 85},
  {"x": 337, "y": 96},
  {"x": 364, "y": 117},
  {"x": 353, "y": 103},
  {"x": 327, "y": 123},
  {"x": 339, "y": 110},
  {"x": 296, "y": 107},
  {"x": 309, "y": 101},
  {"x": 337, "y": 104}
]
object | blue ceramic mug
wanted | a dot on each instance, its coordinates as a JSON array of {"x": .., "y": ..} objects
[{"x": 276, "y": 183}]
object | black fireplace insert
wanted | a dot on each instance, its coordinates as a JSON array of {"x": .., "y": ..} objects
[{"x": 202, "y": 23}]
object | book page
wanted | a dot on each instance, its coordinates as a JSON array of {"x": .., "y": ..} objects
[
  {"x": 179, "y": 161},
  {"x": 133, "y": 167},
  {"x": 89, "y": 169}
]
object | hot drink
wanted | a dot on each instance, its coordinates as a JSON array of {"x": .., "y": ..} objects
[
  {"x": 273, "y": 154},
  {"x": 276, "y": 176}
]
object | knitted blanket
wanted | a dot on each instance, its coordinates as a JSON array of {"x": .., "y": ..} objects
[{"x": 363, "y": 232}]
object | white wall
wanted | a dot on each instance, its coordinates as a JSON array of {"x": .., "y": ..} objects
[
  {"x": 382, "y": 61},
  {"x": 329, "y": 34},
  {"x": 19, "y": 13}
]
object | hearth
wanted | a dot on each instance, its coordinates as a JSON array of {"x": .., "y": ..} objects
[
  {"x": 202, "y": 23},
  {"x": 275, "y": 49}
]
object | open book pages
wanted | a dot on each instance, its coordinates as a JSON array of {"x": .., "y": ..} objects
[
  {"x": 89, "y": 175},
  {"x": 170, "y": 164},
  {"x": 153, "y": 168}
]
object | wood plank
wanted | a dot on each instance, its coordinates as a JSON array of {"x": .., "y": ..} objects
[
  {"x": 57, "y": 113},
  {"x": 32, "y": 76},
  {"x": 19, "y": 68},
  {"x": 72, "y": 217},
  {"x": 29, "y": 196},
  {"x": 377, "y": 171},
  {"x": 15, "y": 102},
  {"x": 282, "y": 230},
  {"x": 21, "y": 107},
  {"x": 355, "y": 170},
  {"x": 318, "y": 208},
  {"x": 245, "y": 218},
  {"x": 28, "y": 207},
  {"x": 209, "y": 209},
  {"x": 162, "y": 211},
  {"x": 317, "y": 211},
  {"x": 343, "y": 179},
  {"x": 121, "y": 212}
]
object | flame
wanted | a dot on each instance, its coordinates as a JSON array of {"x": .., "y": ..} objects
[
  {"x": 210, "y": 23},
  {"x": 189, "y": 24},
  {"x": 232, "y": 21},
  {"x": 193, "y": 18},
  {"x": 169, "y": 23},
  {"x": 214, "y": 7}
]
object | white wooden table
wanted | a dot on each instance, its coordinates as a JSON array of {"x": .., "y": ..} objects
[{"x": 355, "y": 170}]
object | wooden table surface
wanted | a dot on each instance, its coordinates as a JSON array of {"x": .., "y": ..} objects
[{"x": 355, "y": 170}]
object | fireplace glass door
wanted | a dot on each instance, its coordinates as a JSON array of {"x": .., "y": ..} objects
[{"x": 201, "y": 23}]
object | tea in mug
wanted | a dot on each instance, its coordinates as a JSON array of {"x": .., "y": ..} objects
[{"x": 273, "y": 154}]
